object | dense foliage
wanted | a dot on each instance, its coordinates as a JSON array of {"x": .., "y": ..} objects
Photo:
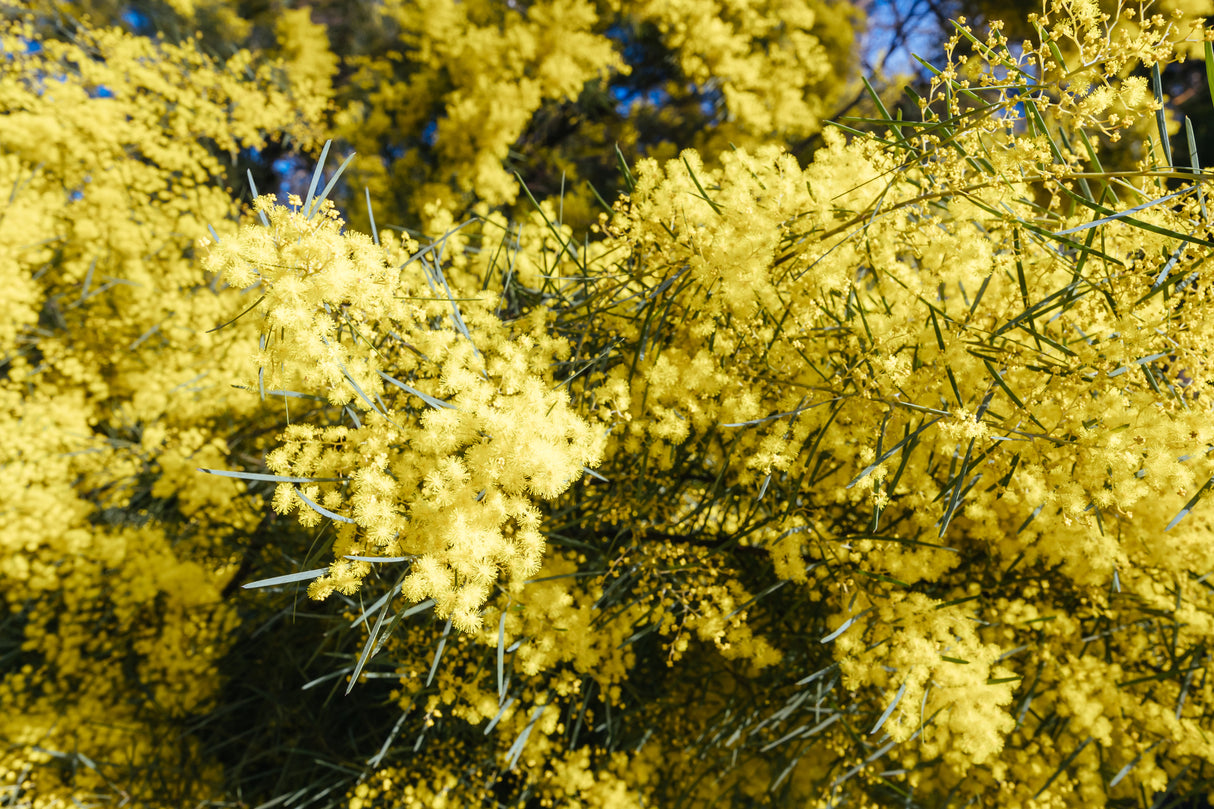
[{"x": 870, "y": 477}]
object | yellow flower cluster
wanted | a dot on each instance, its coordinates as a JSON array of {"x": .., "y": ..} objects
[
  {"x": 457, "y": 429},
  {"x": 778, "y": 89},
  {"x": 908, "y": 383},
  {"x": 768, "y": 67},
  {"x": 877, "y": 480},
  {"x": 112, "y": 556}
]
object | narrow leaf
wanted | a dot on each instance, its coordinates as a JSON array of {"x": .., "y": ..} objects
[
  {"x": 430, "y": 400},
  {"x": 516, "y": 749},
  {"x": 703, "y": 194},
  {"x": 765, "y": 592},
  {"x": 439, "y": 652},
  {"x": 258, "y": 476},
  {"x": 629, "y": 182},
  {"x": 1138, "y": 223},
  {"x": 1189, "y": 505},
  {"x": 889, "y": 710},
  {"x": 846, "y": 625},
  {"x": 239, "y": 316},
  {"x": 329, "y": 187},
  {"x": 1066, "y": 762},
  {"x": 501, "y": 657},
  {"x": 500, "y": 713},
  {"x": 319, "y": 509},
  {"x": 1210, "y": 69},
  {"x": 1123, "y": 214},
  {"x": 1161, "y": 118},
  {"x": 380, "y": 558},
  {"x": 1124, "y": 771},
  {"x": 370, "y": 644},
  {"x": 958, "y": 490},
  {"x": 253, "y": 188},
  {"x": 371, "y": 216},
  {"x": 1195, "y": 164},
  {"x": 316, "y": 174},
  {"x": 379, "y": 602},
  {"x": 910, "y": 439},
  {"x": 303, "y": 575}
]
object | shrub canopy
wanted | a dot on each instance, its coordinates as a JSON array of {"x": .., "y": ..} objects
[{"x": 874, "y": 479}]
